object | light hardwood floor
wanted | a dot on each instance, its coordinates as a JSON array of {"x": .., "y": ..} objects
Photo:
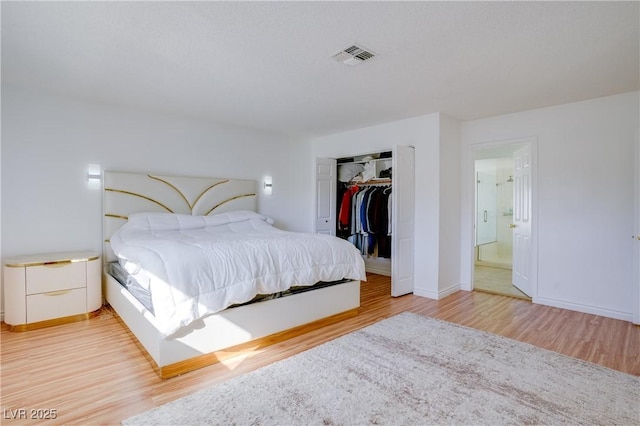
[
  {"x": 92, "y": 372},
  {"x": 495, "y": 280}
]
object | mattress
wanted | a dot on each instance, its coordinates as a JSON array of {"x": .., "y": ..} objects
[
  {"x": 143, "y": 295},
  {"x": 127, "y": 281}
]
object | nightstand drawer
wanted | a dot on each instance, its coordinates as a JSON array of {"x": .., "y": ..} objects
[
  {"x": 56, "y": 304},
  {"x": 56, "y": 276}
]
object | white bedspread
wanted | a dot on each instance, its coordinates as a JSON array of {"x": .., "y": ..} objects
[{"x": 198, "y": 265}]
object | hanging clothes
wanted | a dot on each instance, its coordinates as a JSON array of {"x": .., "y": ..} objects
[
  {"x": 344, "y": 215},
  {"x": 365, "y": 217},
  {"x": 364, "y": 220},
  {"x": 384, "y": 234},
  {"x": 373, "y": 215}
]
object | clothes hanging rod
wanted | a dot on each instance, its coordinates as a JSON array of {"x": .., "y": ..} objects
[{"x": 386, "y": 182}]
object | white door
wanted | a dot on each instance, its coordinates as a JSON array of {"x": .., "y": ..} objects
[
  {"x": 402, "y": 224},
  {"x": 521, "y": 225},
  {"x": 326, "y": 182}
]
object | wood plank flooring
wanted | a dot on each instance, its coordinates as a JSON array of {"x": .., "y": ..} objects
[
  {"x": 92, "y": 372},
  {"x": 496, "y": 281}
]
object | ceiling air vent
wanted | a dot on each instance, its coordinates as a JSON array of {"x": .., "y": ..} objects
[{"x": 353, "y": 55}]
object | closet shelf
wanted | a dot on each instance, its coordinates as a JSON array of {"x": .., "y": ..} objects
[
  {"x": 366, "y": 161},
  {"x": 372, "y": 182}
]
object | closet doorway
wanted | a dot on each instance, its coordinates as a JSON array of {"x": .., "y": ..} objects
[
  {"x": 395, "y": 186},
  {"x": 502, "y": 220}
]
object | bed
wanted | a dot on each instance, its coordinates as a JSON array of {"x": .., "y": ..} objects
[{"x": 194, "y": 330}]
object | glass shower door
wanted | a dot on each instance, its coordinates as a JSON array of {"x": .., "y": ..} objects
[{"x": 486, "y": 207}]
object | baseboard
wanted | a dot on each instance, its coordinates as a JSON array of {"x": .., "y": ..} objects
[
  {"x": 427, "y": 294},
  {"x": 448, "y": 291},
  {"x": 380, "y": 266},
  {"x": 609, "y": 313},
  {"x": 441, "y": 294}
]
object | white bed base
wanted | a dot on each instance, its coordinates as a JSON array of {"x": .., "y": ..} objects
[
  {"x": 210, "y": 339},
  {"x": 197, "y": 345}
]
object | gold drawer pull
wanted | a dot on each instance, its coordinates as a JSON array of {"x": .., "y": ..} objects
[
  {"x": 57, "y": 264},
  {"x": 57, "y": 293}
]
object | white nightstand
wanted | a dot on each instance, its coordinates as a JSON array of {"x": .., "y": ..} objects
[{"x": 50, "y": 289}]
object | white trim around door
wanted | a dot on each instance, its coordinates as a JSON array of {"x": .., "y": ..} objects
[{"x": 476, "y": 151}]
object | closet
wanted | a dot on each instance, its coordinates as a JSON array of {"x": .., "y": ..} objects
[
  {"x": 364, "y": 207},
  {"x": 368, "y": 199}
]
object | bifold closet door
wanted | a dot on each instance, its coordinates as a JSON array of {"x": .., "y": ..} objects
[
  {"x": 403, "y": 221},
  {"x": 326, "y": 187}
]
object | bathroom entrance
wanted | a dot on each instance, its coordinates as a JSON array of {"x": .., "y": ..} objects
[{"x": 496, "y": 200}]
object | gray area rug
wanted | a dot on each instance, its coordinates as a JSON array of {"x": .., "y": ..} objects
[{"x": 414, "y": 370}]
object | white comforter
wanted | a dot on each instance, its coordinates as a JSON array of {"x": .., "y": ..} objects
[{"x": 198, "y": 265}]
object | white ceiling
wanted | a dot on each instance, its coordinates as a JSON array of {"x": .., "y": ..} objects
[{"x": 268, "y": 66}]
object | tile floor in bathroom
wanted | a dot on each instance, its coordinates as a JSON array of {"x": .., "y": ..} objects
[{"x": 497, "y": 281}]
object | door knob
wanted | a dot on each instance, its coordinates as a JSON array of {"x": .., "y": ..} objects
[{"x": 512, "y": 225}]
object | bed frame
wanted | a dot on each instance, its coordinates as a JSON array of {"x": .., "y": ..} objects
[{"x": 227, "y": 333}]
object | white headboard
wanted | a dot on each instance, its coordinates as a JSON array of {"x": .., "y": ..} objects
[{"x": 128, "y": 193}]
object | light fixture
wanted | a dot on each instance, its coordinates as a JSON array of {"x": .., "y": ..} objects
[
  {"x": 268, "y": 184},
  {"x": 94, "y": 176}
]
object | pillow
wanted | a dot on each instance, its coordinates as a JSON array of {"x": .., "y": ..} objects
[
  {"x": 346, "y": 172},
  {"x": 177, "y": 222},
  {"x": 164, "y": 221}
]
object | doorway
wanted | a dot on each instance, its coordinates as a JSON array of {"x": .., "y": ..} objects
[
  {"x": 400, "y": 205},
  {"x": 494, "y": 212},
  {"x": 502, "y": 214},
  {"x": 493, "y": 220}
]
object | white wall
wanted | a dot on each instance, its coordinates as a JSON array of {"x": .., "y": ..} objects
[
  {"x": 450, "y": 187},
  {"x": 585, "y": 172},
  {"x": 434, "y": 269},
  {"x": 636, "y": 215},
  {"x": 48, "y": 141}
]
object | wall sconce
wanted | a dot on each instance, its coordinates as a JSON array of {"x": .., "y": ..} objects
[
  {"x": 268, "y": 184},
  {"x": 94, "y": 176}
]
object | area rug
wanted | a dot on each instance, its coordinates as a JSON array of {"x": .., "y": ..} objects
[{"x": 414, "y": 370}]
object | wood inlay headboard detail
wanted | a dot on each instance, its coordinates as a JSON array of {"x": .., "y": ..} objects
[{"x": 128, "y": 193}]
